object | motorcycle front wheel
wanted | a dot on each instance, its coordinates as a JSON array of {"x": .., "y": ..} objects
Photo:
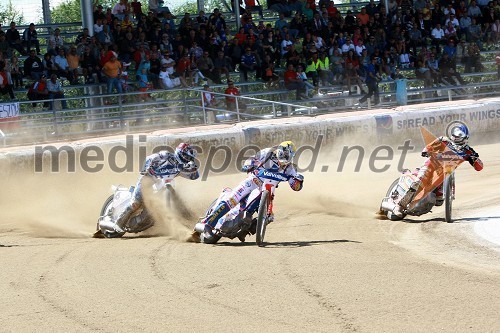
[
  {"x": 262, "y": 218},
  {"x": 448, "y": 188},
  {"x": 169, "y": 196}
]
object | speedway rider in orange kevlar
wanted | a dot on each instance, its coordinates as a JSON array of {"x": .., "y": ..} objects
[{"x": 457, "y": 143}]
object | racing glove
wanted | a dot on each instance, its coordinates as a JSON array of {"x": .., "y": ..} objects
[
  {"x": 424, "y": 154},
  {"x": 296, "y": 182},
  {"x": 188, "y": 167},
  {"x": 150, "y": 171},
  {"x": 299, "y": 177},
  {"x": 248, "y": 168}
]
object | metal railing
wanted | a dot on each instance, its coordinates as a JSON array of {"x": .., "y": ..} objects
[
  {"x": 95, "y": 114},
  {"x": 104, "y": 114}
]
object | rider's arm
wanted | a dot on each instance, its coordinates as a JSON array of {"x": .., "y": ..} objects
[
  {"x": 435, "y": 146},
  {"x": 152, "y": 161},
  {"x": 473, "y": 159},
  {"x": 296, "y": 180},
  {"x": 149, "y": 162},
  {"x": 257, "y": 160},
  {"x": 190, "y": 175},
  {"x": 189, "y": 171}
]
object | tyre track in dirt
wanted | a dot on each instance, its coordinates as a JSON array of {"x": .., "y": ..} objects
[
  {"x": 197, "y": 294},
  {"x": 45, "y": 291},
  {"x": 345, "y": 322}
]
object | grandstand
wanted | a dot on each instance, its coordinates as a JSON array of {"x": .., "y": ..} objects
[{"x": 95, "y": 110}]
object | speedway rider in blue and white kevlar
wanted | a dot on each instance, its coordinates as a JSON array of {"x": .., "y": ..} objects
[
  {"x": 273, "y": 160},
  {"x": 165, "y": 165}
]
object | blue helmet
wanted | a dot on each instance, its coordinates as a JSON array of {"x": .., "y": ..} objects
[{"x": 460, "y": 134}]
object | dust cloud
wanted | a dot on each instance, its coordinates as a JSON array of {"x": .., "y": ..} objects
[{"x": 67, "y": 205}]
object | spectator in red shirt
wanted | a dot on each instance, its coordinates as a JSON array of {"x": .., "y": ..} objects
[
  {"x": 38, "y": 91},
  {"x": 312, "y": 4},
  {"x": 5, "y": 86},
  {"x": 231, "y": 101},
  {"x": 184, "y": 67},
  {"x": 106, "y": 56},
  {"x": 250, "y": 4},
  {"x": 363, "y": 17},
  {"x": 293, "y": 82},
  {"x": 141, "y": 54},
  {"x": 241, "y": 36},
  {"x": 332, "y": 10}
]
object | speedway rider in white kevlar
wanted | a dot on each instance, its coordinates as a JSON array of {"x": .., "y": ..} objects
[
  {"x": 164, "y": 164},
  {"x": 276, "y": 159}
]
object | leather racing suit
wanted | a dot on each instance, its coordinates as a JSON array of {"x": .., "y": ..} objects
[
  {"x": 464, "y": 153},
  {"x": 162, "y": 164},
  {"x": 264, "y": 159}
]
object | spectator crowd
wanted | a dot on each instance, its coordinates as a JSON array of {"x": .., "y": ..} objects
[{"x": 313, "y": 42}]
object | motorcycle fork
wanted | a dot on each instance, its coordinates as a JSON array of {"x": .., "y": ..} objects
[
  {"x": 270, "y": 188},
  {"x": 270, "y": 206}
]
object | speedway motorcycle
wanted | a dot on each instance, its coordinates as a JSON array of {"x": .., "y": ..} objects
[
  {"x": 421, "y": 201},
  {"x": 240, "y": 220},
  {"x": 141, "y": 219}
]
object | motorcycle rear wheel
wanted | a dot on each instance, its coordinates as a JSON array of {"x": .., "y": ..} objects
[
  {"x": 262, "y": 218},
  {"x": 448, "y": 188}
]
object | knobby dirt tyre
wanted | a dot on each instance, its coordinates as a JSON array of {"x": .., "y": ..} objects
[
  {"x": 169, "y": 197},
  {"x": 448, "y": 188},
  {"x": 262, "y": 218}
]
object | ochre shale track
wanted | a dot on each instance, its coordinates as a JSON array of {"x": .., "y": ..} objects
[{"x": 329, "y": 265}]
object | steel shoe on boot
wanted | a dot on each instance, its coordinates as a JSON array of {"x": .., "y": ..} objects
[
  {"x": 397, "y": 211},
  {"x": 208, "y": 230}
]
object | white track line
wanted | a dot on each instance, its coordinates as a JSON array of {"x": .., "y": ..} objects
[{"x": 489, "y": 229}]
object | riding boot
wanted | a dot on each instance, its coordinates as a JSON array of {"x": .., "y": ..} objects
[
  {"x": 439, "y": 195},
  {"x": 217, "y": 213},
  {"x": 123, "y": 218},
  {"x": 410, "y": 194}
]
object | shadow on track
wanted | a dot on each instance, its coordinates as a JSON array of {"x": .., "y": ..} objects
[
  {"x": 463, "y": 219},
  {"x": 135, "y": 236},
  {"x": 290, "y": 244}
]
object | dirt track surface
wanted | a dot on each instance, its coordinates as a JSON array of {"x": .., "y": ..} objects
[{"x": 329, "y": 265}]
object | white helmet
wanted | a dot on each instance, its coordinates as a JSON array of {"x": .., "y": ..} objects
[
  {"x": 285, "y": 152},
  {"x": 459, "y": 134}
]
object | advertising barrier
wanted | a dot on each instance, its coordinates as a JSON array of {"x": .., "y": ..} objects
[
  {"x": 9, "y": 115},
  {"x": 367, "y": 128}
]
